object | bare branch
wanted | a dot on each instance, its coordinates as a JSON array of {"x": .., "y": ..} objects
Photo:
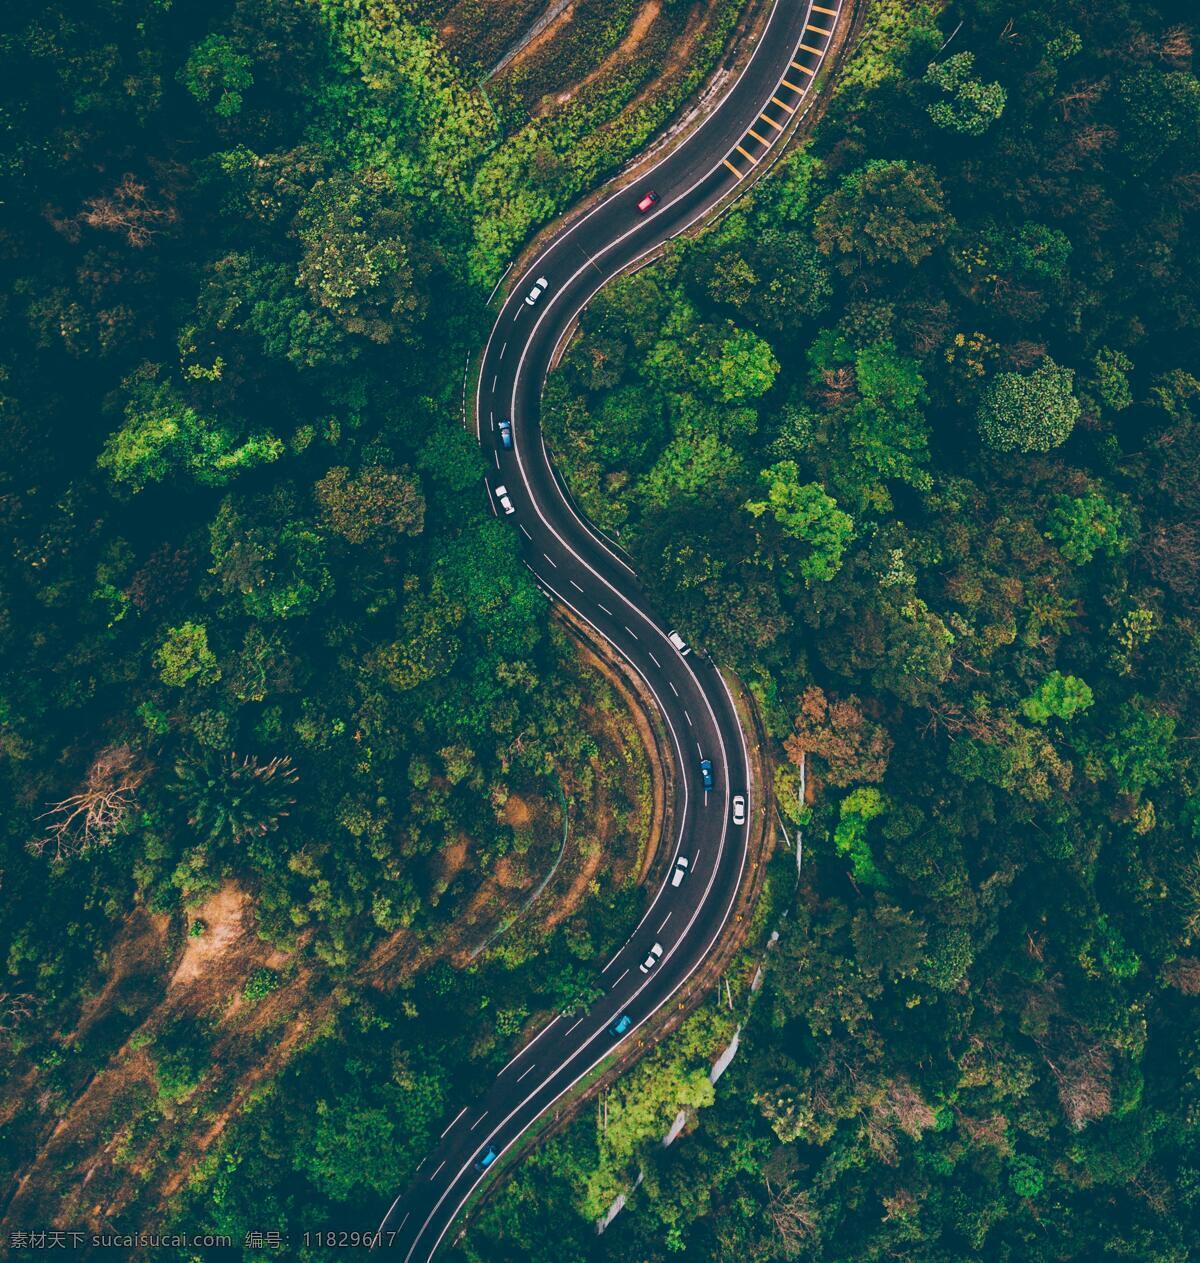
[{"x": 95, "y": 815}]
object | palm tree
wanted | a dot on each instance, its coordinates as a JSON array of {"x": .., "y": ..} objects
[{"x": 228, "y": 799}]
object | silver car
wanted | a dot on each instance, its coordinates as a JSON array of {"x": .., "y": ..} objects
[
  {"x": 648, "y": 964},
  {"x": 539, "y": 288}
]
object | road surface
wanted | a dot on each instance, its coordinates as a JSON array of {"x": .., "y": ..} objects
[{"x": 577, "y": 566}]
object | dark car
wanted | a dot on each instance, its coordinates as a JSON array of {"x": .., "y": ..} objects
[
  {"x": 505, "y": 428},
  {"x": 706, "y": 773},
  {"x": 486, "y": 1158},
  {"x": 649, "y": 198}
]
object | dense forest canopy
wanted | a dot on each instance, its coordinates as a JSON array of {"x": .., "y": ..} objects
[{"x": 910, "y": 440}]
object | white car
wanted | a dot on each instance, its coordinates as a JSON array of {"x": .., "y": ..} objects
[
  {"x": 505, "y": 503},
  {"x": 680, "y": 644},
  {"x": 680, "y": 871},
  {"x": 539, "y": 288},
  {"x": 648, "y": 964},
  {"x": 739, "y": 809}
]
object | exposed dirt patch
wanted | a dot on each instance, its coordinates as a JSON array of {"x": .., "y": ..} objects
[
  {"x": 454, "y": 858},
  {"x": 574, "y": 895},
  {"x": 509, "y": 874},
  {"x": 290, "y": 1036},
  {"x": 517, "y": 812},
  {"x": 224, "y": 916}
]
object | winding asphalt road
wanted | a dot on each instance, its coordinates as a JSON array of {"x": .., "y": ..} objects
[{"x": 574, "y": 564}]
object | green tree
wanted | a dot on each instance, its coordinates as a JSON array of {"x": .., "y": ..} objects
[
  {"x": 184, "y": 658},
  {"x": 857, "y": 810},
  {"x": 886, "y": 212},
  {"x": 279, "y": 572},
  {"x": 215, "y": 68},
  {"x": 1058, "y": 696},
  {"x": 966, "y": 105},
  {"x": 163, "y": 436},
  {"x": 744, "y": 368},
  {"x": 353, "y": 1146},
  {"x": 260, "y": 984},
  {"x": 357, "y": 263},
  {"x": 949, "y": 956},
  {"x": 181, "y": 1053},
  {"x": 1085, "y": 525},
  {"x": 808, "y": 515},
  {"x": 692, "y": 464},
  {"x": 378, "y": 506},
  {"x": 1162, "y": 115},
  {"x": 1112, "y": 378},
  {"x": 1139, "y": 750},
  {"x": 1029, "y": 413},
  {"x": 1025, "y": 1177}
]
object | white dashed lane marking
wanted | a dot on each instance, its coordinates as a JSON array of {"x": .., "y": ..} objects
[{"x": 454, "y": 1120}]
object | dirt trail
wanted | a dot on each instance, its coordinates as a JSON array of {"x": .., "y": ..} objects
[{"x": 647, "y": 15}]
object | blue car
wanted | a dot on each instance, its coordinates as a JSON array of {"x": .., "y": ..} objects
[
  {"x": 486, "y": 1158},
  {"x": 505, "y": 428},
  {"x": 621, "y": 1025},
  {"x": 706, "y": 773}
]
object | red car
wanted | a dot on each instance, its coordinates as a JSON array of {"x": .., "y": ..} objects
[{"x": 649, "y": 199}]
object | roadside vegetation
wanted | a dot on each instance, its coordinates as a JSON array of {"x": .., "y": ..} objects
[{"x": 911, "y": 438}]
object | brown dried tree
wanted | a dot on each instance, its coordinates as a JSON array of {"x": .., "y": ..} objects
[
  {"x": 1084, "y": 1085},
  {"x": 851, "y": 747},
  {"x": 791, "y": 1214},
  {"x": 129, "y": 210},
  {"x": 16, "y": 1007},
  {"x": 94, "y": 815}
]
